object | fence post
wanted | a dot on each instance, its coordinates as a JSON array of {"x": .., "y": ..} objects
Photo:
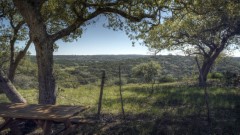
[
  {"x": 120, "y": 89},
  {"x": 206, "y": 98},
  {"x": 101, "y": 93}
]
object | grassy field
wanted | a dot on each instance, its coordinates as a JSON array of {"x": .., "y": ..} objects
[{"x": 169, "y": 110}]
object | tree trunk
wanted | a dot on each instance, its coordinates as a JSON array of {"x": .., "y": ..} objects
[
  {"x": 202, "y": 78},
  {"x": 12, "y": 71},
  {"x": 11, "y": 92},
  {"x": 203, "y": 72},
  {"x": 12, "y": 68},
  {"x": 14, "y": 62},
  {"x": 31, "y": 12},
  {"x": 206, "y": 66},
  {"x": 47, "y": 87}
]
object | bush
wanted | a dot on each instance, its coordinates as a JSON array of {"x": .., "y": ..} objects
[
  {"x": 25, "y": 82},
  {"x": 115, "y": 81},
  {"x": 215, "y": 75},
  {"x": 82, "y": 80},
  {"x": 167, "y": 78},
  {"x": 231, "y": 78},
  {"x": 133, "y": 80}
]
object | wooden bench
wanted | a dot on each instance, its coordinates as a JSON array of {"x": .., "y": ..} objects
[{"x": 43, "y": 115}]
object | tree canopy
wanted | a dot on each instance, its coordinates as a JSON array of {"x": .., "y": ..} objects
[
  {"x": 198, "y": 28},
  {"x": 148, "y": 71}
]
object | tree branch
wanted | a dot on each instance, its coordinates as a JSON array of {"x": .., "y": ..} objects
[
  {"x": 79, "y": 21},
  {"x": 126, "y": 15},
  {"x": 118, "y": 2},
  {"x": 65, "y": 32},
  {"x": 23, "y": 52},
  {"x": 202, "y": 49},
  {"x": 14, "y": 37}
]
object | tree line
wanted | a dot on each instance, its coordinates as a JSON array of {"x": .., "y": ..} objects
[{"x": 75, "y": 71}]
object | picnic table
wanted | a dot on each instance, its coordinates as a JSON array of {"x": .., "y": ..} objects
[{"x": 43, "y": 115}]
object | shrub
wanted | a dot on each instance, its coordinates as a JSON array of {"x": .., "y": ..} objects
[
  {"x": 25, "y": 82},
  {"x": 133, "y": 80},
  {"x": 167, "y": 78},
  {"x": 115, "y": 81},
  {"x": 231, "y": 78},
  {"x": 147, "y": 71},
  {"x": 215, "y": 75}
]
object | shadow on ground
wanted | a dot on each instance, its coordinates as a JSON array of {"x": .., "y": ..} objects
[{"x": 183, "y": 113}]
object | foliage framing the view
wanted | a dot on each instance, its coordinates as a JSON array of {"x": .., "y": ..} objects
[{"x": 199, "y": 28}]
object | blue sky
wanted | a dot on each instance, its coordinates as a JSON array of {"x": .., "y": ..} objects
[{"x": 97, "y": 40}]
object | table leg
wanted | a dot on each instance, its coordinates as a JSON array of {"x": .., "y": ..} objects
[
  {"x": 14, "y": 127},
  {"x": 12, "y": 124},
  {"x": 6, "y": 123},
  {"x": 69, "y": 128},
  {"x": 47, "y": 127}
]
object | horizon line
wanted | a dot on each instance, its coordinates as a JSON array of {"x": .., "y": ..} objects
[{"x": 123, "y": 55}]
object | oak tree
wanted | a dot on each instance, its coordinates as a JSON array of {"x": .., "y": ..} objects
[
  {"x": 147, "y": 71},
  {"x": 200, "y": 28},
  {"x": 52, "y": 20}
]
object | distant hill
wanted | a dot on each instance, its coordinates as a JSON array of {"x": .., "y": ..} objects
[
  {"x": 178, "y": 66},
  {"x": 170, "y": 62},
  {"x": 75, "y": 70},
  {"x": 97, "y": 57}
]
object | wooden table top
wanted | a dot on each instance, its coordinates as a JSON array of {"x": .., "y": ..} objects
[{"x": 37, "y": 111}]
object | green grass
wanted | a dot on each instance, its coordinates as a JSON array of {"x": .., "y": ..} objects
[
  {"x": 178, "y": 108},
  {"x": 137, "y": 98},
  {"x": 3, "y": 98}
]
